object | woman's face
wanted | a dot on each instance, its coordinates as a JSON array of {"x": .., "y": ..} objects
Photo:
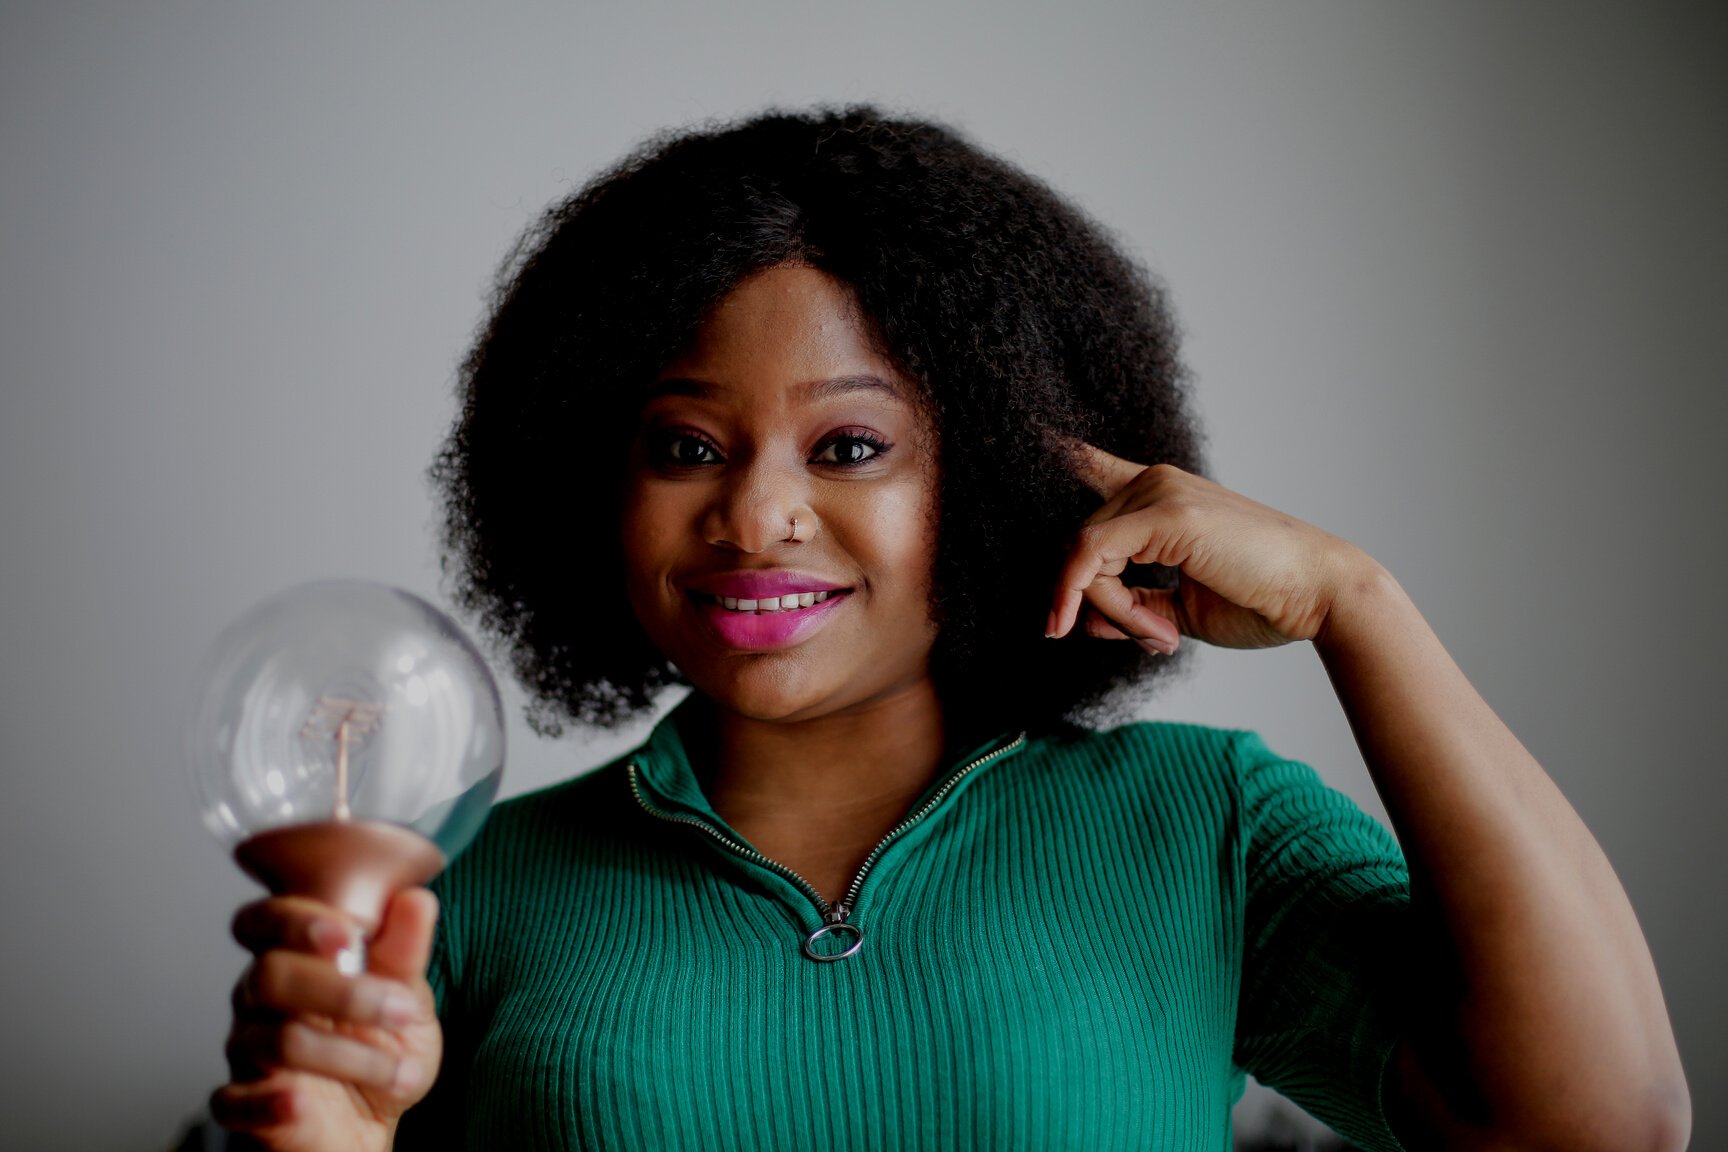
[{"x": 781, "y": 409}]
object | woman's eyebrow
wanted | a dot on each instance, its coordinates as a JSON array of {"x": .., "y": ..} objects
[{"x": 814, "y": 391}]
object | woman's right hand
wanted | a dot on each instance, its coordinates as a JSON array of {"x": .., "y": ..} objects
[{"x": 322, "y": 1060}]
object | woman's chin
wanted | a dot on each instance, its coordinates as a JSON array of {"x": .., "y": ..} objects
[
  {"x": 760, "y": 692},
  {"x": 768, "y": 705}
]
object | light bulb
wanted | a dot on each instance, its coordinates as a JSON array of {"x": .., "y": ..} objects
[{"x": 348, "y": 742}]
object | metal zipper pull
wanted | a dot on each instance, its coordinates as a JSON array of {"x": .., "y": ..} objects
[
  {"x": 834, "y": 921},
  {"x": 834, "y": 915}
]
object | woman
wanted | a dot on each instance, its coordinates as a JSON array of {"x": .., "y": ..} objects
[{"x": 886, "y": 450}]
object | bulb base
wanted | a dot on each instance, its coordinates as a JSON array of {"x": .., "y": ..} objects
[{"x": 352, "y": 865}]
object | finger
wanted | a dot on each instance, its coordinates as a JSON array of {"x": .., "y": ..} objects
[
  {"x": 1119, "y": 605},
  {"x": 1102, "y": 552},
  {"x": 260, "y": 1049},
  {"x": 1167, "y": 604},
  {"x": 1087, "y": 561},
  {"x": 295, "y": 923},
  {"x": 240, "y": 998},
  {"x": 296, "y": 984},
  {"x": 1102, "y": 472},
  {"x": 403, "y": 946},
  {"x": 1096, "y": 625},
  {"x": 254, "y": 1105},
  {"x": 1159, "y": 601}
]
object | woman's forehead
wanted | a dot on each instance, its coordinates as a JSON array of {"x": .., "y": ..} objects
[
  {"x": 807, "y": 391},
  {"x": 792, "y": 303},
  {"x": 792, "y": 330}
]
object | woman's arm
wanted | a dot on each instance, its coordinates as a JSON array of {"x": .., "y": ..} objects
[
  {"x": 1543, "y": 1025},
  {"x": 1538, "y": 1020}
]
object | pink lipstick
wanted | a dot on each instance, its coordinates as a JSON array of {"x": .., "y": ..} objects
[
  {"x": 759, "y": 583},
  {"x": 766, "y": 609}
]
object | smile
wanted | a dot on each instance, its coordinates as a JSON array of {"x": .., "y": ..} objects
[
  {"x": 768, "y": 622},
  {"x": 789, "y": 603}
]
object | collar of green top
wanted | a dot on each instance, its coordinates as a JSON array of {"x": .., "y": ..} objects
[{"x": 664, "y": 765}]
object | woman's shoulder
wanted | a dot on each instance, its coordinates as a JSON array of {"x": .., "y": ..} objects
[
  {"x": 1235, "y": 766},
  {"x": 579, "y": 793},
  {"x": 532, "y": 825},
  {"x": 1155, "y": 746},
  {"x": 1145, "y": 770},
  {"x": 1189, "y": 781}
]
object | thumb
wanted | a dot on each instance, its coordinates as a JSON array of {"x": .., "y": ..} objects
[
  {"x": 1142, "y": 604},
  {"x": 1200, "y": 612},
  {"x": 403, "y": 946},
  {"x": 1132, "y": 612},
  {"x": 1162, "y": 602}
]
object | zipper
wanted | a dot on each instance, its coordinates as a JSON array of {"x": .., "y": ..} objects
[{"x": 834, "y": 916}]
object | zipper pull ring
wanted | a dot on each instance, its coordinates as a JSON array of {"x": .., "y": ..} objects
[{"x": 834, "y": 921}]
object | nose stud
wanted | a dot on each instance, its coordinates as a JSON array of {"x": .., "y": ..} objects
[{"x": 794, "y": 538}]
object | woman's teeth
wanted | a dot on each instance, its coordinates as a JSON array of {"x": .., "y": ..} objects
[{"x": 773, "y": 603}]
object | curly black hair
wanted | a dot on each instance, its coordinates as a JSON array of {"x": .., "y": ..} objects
[{"x": 1018, "y": 317}]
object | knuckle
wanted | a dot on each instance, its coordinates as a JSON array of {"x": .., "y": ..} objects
[
  {"x": 235, "y": 1053},
  {"x": 240, "y": 997},
  {"x": 1176, "y": 507},
  {"x": 1098, "y": 592},
  {"x": 225, "y": 1109},
  {"x": 245, "y": 927},
  {"x": 251, "y": 1052},
  {"x": 269, "y": 923}
]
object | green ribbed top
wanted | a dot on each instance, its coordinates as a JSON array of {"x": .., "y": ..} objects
[{"x": 1077, "y": 941}]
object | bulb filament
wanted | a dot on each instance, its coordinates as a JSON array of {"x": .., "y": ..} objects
[{"x": 343, "y": 719}]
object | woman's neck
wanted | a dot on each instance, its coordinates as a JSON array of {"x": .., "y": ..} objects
[
  {"x": 858, "y": 767},
  {"x": 818, "y": 795}
]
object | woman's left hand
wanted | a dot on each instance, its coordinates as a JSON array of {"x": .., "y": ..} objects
[{"x": 1250, "y": 576}]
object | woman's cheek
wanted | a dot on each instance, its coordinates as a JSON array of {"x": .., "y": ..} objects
[
  {"x": 645, "y": 560},
  {"x": 905, "y": 521}
]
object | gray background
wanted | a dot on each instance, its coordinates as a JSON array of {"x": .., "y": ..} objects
[{"x": 1453, "y": 282}]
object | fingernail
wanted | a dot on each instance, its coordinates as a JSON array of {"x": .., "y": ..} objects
[
  {"x": 329, "y": 937},
  {"x": 1157, "y": 647},
  {"x": 398, "y": 1008}
]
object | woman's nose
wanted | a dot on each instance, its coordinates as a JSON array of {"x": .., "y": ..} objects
[{"x": 754, "y": 506}]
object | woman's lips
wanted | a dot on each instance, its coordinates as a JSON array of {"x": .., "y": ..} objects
[
  {"x": 762, "y": 631},
  {"x": 756, "y": 583}
]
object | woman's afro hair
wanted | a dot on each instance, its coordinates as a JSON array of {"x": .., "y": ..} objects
[{"x": 1015, "y": 314}]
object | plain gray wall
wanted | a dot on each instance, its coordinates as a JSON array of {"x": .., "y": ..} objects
[{"x": 1453, "y": 283}]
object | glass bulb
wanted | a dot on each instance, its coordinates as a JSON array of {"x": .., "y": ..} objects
[{"x": 348, "y": 741}]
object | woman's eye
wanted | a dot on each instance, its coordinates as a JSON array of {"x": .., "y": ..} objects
[
  {"x": 850, "y": 450},
  {"x": 686, "y": 451}
]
